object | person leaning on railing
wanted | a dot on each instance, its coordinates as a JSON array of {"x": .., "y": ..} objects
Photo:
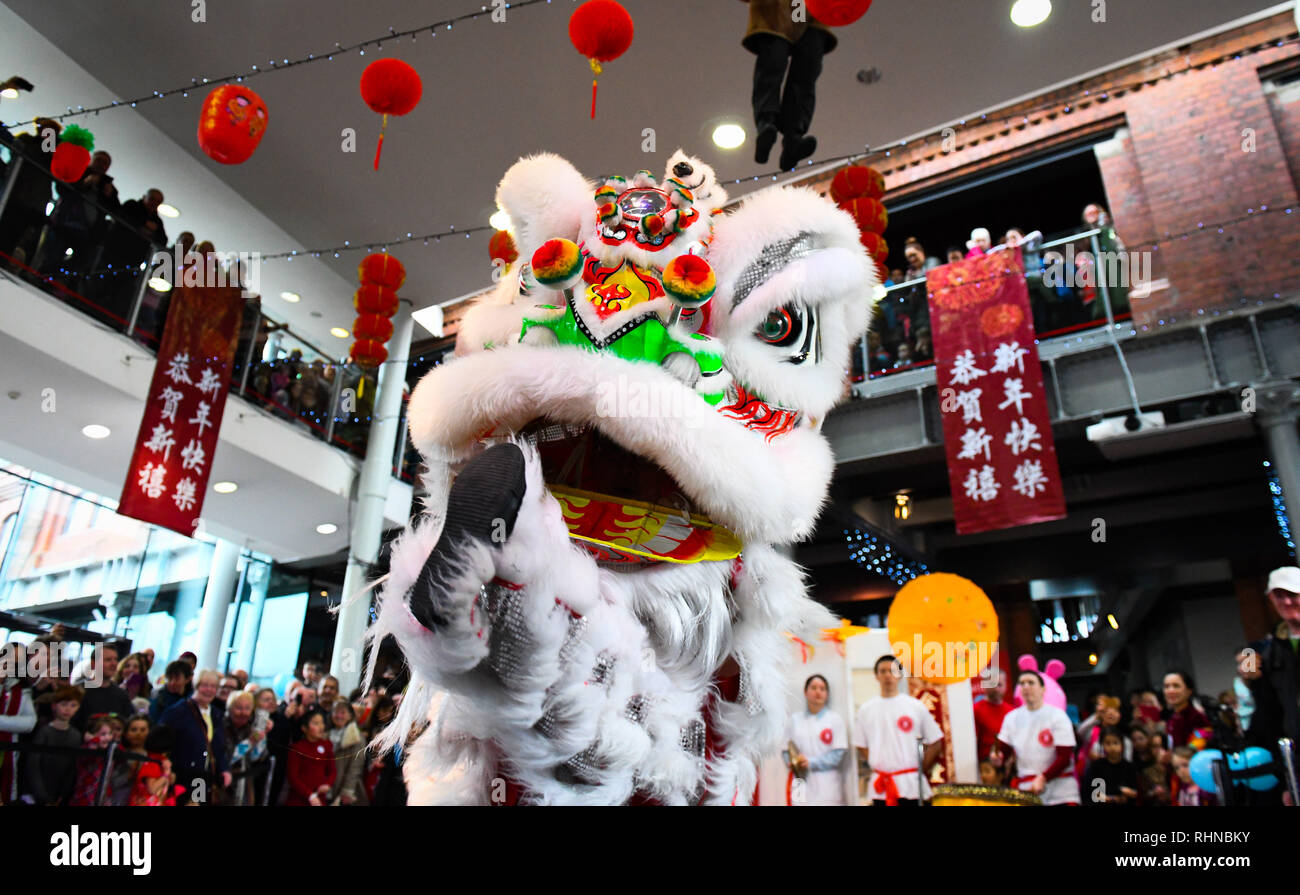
[{"x": 23, "y": 217}]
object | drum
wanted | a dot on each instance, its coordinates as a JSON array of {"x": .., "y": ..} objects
[{"x": 978, "y": 794}]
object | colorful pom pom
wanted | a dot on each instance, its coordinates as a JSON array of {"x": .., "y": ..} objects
[
  {"x": 689, "y": 281},
  {"x": 557, "y": 263}
]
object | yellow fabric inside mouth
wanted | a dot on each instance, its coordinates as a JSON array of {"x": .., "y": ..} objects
[{"x": 619, "y": 529}]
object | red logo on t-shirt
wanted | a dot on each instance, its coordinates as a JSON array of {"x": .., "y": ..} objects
[
  {"x": 905, "y": 724},
  {"x": 826, "y": 736},
  {"x": 1045, "y": 737}
]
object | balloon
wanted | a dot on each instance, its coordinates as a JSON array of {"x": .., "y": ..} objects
[
  {"x": 231, "y": 124},
  {"x": 838, "y": 13},
  {"x": 1202, "y": 768}
]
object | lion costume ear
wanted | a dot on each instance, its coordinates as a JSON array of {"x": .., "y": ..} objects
[
  {"x": 794, "y": 294},
  {"x": 545, "y": 197}
]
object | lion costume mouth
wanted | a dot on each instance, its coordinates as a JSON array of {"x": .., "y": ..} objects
[{"x": 625, "y": 509}]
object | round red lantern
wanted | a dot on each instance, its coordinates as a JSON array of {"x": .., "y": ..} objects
[
  {"x": 372, "y": 327},
  {"x": 855, "y": 181},
  {"x": 372, "y": 298},
  {"x": 600, "y": 30},
  {"x": 870, "y": 214},
  {"x": 368, "y": 353},
  {"x": 72, "y": 155},
  {"x": 502, "y": 246},
  {"x": 838, "y": 13},
  {"x": 382, "y": 269},
  {"x": 231, "y": 124},
  {"x": 390, "y": 87},
  {"x": 876, "y": 247}
]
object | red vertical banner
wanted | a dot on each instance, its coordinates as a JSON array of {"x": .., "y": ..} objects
[
  {"x": 935, "y": 699},
  {"x": 997, "y": 432},
  {"x": 168, "y": 476}
]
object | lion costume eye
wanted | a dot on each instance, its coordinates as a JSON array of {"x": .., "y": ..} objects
[{"x": 794, "y": 328}]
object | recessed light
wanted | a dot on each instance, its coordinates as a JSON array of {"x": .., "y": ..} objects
[
  {"x": 160, "y": 284},
  {"x": 500, "y": 220},
  {"x": 225, "y": 487},
  {"x": 326, "y": 528},
  {"x": 9, "y": 93},
  {"x": 94, "y": 430},
  {"x": 324, "y": 593},
  {"x": 169, "y": 211},
  {"x": 728, "y": 136},
  {"x": 1028, "y": 13},
  {"x": 338, "y": 332},
  {"x": 291, "y": 297}
]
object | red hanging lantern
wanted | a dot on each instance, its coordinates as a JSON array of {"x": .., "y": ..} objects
[
  {"x": 382, "y": 269},
  {"x": 72, "y": 155},
  {"x": 601, "y": 30},
  {"x": 368, "y": 353},
  {"x": 231, "y": 124},
  {"x": 870, "y": 214},
  {"x": 838, "y": 13},
  {"x": 876, "y": 247},
  {"x": 502, "y": 246},
  {"x": 855, "y": 181},
  {"x": 372, "y": 327},
  {"x": 390, "y": 87},
  {"x": 372, "y": 298}
]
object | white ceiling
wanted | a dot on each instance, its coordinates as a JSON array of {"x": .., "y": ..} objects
[{"x": 495, "y": 91}]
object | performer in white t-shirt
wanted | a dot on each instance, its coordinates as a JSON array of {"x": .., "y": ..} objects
[
  {"x": 820, "y": 738},
  {"x": 886, "y": 731},
  {"x": 1042, "y": 738}
]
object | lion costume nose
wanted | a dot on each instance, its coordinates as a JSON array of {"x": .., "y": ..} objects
[{"x": 683, "y": 169}]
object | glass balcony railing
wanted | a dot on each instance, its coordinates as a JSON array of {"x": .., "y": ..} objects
[
  {"x": 1070, "y": 279},
  {"x": 77, "y": 244}
]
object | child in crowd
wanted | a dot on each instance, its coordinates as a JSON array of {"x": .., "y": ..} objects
[
  {"x": 1154, "y": 779},
  {"x": 50, "y": 778},
  {"x": 989, "y": 774},
  {"x": 154, "y": 781},
  {"x": 1185, "y": 790},
  {"x": 311, "y": 771},
  {"x": 100, "y": 732},
  {"x": 1111, "y": 779}
]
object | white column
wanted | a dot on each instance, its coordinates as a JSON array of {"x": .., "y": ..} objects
[
  {"x": 216, "y": 601},
  {"x": 372, "y": 494},
  {"x": 259, "y": 579}
]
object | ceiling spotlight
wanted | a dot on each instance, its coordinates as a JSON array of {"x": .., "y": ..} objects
[
  {"x": 160, "y": 284},
  {"x": 1092, "y": 658},
  {"x": 94, "y": 430},
  {"x": 728, "y": 136},
  {"x": 9, "y": 93},
  {"x": 338, "y": 332},
  {"x": 326, "y": 528},
  {"x": 1111, "y": 619},
  {"x": 168, "y": 211},
  {"x": 500, "y": 220},
  {"x": 902, "y": 507},
  {"x": 291, "y": 297},
  {"x": 1028, "y": 13},
  {"x": 225, "y": 487}
]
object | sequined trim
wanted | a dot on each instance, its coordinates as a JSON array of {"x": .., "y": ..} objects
[{"x": 773, "y": 258}]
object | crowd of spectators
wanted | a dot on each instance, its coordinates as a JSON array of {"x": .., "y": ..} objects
[
  {"x": 1139, "y": 751},
  {"x": 900, "y": 335},
  {"x": 123, "y": 736}
]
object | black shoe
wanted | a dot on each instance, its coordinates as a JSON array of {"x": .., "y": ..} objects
[
  {"x": 763, "y": 144},
  {"x": 796, "y": 149},
  {"x": 483, "y": 505}
]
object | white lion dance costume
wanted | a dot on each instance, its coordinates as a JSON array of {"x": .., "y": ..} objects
[{"x": 598, "y": 615}]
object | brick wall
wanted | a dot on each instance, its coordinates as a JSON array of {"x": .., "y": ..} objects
[{"x": 1176, "y": 162}]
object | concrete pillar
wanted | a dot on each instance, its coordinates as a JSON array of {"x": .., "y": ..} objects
[
  {"x": 372, "y": 494},
  {"x": 1277, "y": 410},
  {"x": 216, "y": 602},
  {"x": 259, "y": 579}
]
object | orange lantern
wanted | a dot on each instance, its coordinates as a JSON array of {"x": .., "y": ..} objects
[
  {"x": 942, "y": 628},
  {"x": 231, "y": 124},
  {"x": 855, "y": 181},
  {"x": 382, "y": 269},
  {"x": 371, "y": 298},
  {"x": 372, "y": 327},
  {"x": 601, "y": 30},
  {"x": 390, "y": 87},
  {"x": 870, "y": 214}
]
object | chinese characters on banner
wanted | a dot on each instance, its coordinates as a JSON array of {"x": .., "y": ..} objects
[
  {"x": 168, "y": 476},
  {"x": 997, "y": 434}
]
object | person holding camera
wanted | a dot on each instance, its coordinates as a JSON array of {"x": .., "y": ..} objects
[{"x": 246, "y": 744}]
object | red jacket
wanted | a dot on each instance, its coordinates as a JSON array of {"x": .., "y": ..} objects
[{"x": 311, "y": 766}]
